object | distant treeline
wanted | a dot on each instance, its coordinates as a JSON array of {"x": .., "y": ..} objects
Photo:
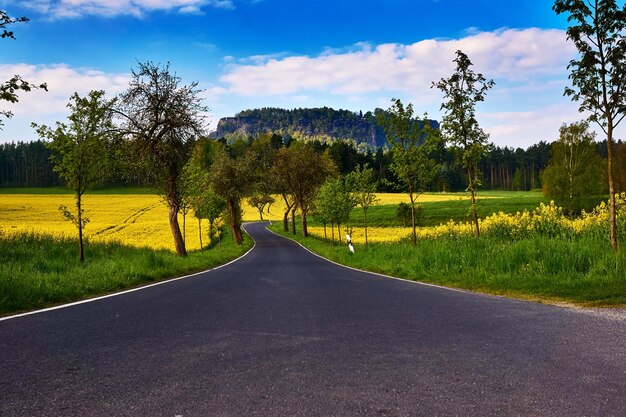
[{"x": 27, "y": 164}]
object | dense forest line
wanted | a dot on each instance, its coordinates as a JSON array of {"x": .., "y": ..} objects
[{"x": 27, "y": 164}]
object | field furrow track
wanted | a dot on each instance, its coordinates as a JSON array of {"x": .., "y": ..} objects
[{"x": 109, "y": 230}]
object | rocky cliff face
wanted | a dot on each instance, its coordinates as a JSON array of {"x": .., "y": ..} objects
[{"x": 308, "y": 123}]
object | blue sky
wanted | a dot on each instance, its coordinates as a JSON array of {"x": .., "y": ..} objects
[{"x": 258, "y": 53}]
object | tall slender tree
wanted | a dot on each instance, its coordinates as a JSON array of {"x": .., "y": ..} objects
[
  {"x": 413, "y": 142},
  {"x": 161, "y": 118},
  {"x": 462, "y": 91},
  {"x": 364, "y": 185},
  {"x": 598, "y": 75},
  {"x": 79, "y": 151}
]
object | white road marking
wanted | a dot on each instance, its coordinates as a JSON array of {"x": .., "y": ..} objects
[{"x": 90, "y": 300}]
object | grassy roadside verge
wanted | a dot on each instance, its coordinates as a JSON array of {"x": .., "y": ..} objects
[
  {"x": 41, "y": 271},
  {"x": 582, "y": 271}
]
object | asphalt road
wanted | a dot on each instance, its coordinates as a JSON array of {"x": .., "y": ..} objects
[{"x": 282, "y": 332}]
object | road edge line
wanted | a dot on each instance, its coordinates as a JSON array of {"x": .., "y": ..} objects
[
  {"x": 143, "y": 287},
  {"x": 426, "y": 284}
]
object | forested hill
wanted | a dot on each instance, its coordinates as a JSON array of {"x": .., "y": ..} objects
[{"x": 320, "y": 123}]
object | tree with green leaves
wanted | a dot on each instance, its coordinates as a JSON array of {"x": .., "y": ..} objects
[
  {"x": 231, "y": 180},
  {"x": 599, "y": 75},
  {"x": 263, "y": 186},
  {"x": 79, "y": 151},
  {"x": 575, "y": 169},
  {"x": 413, "y": 143},
  {"x": 299, "y": 171},
  {"x": 208, "y": 206},
  {"x": 203, "y": 200},
  {"x": 326, "y": 207},
  {"x": 161, "y": 119},
  {"x": 364, "y": 185},
  {"x": 334, "y": 202},
  {"x": 403, "y": 213},
  {"x": 260, "y": 199},
  {"x": 9, "y": 89},
  {"x": 462, "y": 91}
]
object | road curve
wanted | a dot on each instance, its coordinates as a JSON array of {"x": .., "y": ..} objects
[{"x": 282, "y": 332}]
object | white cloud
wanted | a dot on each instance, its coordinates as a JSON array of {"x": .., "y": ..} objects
[
  {"x": 509, "y": 55},
  {"x": 47, "y": 107},
  {"x": 528, "y": 66},
  {"x": 62, "y": 81},
  {"x": 77, "y": 8}
]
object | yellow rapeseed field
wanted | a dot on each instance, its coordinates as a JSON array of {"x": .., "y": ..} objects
[
  {"x": 141, "y": 220},
  {"x": 357, "y": 234},
  {"x": 396, "y": 198},
  {"x": 137, "y": 220}
]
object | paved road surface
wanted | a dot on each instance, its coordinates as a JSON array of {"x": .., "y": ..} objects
[{"x": 282, "y": 332}]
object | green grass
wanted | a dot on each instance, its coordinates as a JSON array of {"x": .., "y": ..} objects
[
  {"x": 582, "y": 271},
  {"x": 437, "y": 212},
  {"x": 40, "y": 271}
]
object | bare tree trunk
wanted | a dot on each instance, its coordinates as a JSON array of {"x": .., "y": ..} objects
[
  {"x": 235, "y": 227},
  {"x": 305, "y": 230},
  {"x": 365, "y": 222},
  {"x": 81, "y": 249},
  {"x": 473, "y": 198},
  {"x": 185, "y": 227},
  {"x": 293, "y": 220},
  {"x": 179, "y": 243},
  {"x": 339, "y": 233},
  {"x": 200, "y": 234},
  {"x": 286, "y": 215},
  {"x": 609, "y": 144},
  {"x": 414, "y": 235}
]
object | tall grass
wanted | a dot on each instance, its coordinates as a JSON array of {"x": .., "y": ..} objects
[
  {"x": 582, "y": 270},
  {"x": 38, "y": 271}
]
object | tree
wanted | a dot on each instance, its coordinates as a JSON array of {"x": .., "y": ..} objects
[
  {"x": 599, "y": 75},
  {"x": 79, "y": 151},
  {"x": 575, "y": 170},
  {"x": 9, "y": 89},
  {"x": 231, "y": 180},
  {"x": 462, "y": 90},
  {"x": 208, "y": 206},
  {"x": 259, "y": 200},
  {"x": 326, "y": 206},
  {"x": 299, "y": 171},
  {"x": 412, "y": 143},
  {"x": 162, "y": 118},
  {"x": 203, "y": 200},
  {"x": 334, "y": 202},
  {"x": 403, "y": 212},
  {"x": 364, "y": 183},
  {"x": 263, "y": 151}
]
